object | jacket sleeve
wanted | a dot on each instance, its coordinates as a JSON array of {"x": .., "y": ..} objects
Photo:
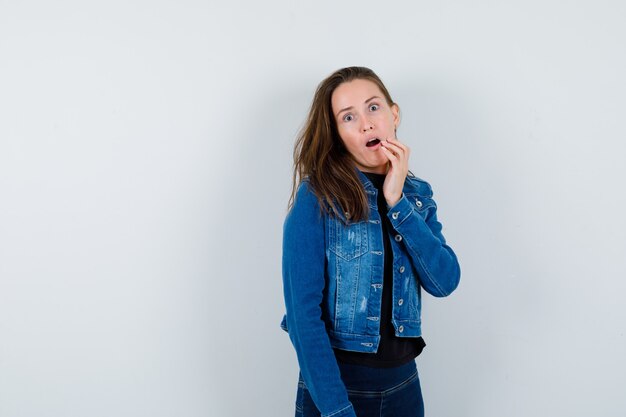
[
  {"x": 433, "y": 259},
  {"x": 304, "y": 257}
]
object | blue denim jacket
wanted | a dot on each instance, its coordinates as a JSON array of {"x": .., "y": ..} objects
[{"x": 333, "y": 280}]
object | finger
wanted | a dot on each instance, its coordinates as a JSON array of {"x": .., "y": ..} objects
[
  {"x": 393, "y": 144},
  {"x": 406, "y": 151},
  {"x": 392, "y": 156},
  {"x": 396, "y": 142},
  {"x": 394, "y": 148}
]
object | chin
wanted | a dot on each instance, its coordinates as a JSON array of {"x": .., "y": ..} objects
[{"x": 381, "y": 169}]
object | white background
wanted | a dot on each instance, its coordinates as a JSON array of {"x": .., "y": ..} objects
[{"x": 145, "y": 162}]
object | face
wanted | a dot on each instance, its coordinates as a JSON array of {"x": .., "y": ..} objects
[{"x": 364, "y": 118}]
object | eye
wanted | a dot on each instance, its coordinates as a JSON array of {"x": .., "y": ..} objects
[
  {"x": 374, "y": 107},
  {"x": 348, "y": 118}
]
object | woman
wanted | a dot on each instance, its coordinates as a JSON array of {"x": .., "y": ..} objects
[{"x": 360, "y": 241}]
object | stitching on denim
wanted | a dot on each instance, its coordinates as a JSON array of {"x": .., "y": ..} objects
[
  {"x": 422, "y": 264},
  {"x": 385, "y": 392},
  {"x": 336, "y": 232},
  {"x": 338, "y": 411},
  {"x": 430, "y": 276},
  {"x": 300, "y": 399},
  {"x": 401, "y": 385},
  {"x": 354, "y": 291},
  {"x": 337, "y": 293}
]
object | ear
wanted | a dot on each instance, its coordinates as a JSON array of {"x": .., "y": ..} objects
[{"x": 395, "y": 111}]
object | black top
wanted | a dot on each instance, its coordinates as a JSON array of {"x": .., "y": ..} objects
[{"x": 392, "y": 351}]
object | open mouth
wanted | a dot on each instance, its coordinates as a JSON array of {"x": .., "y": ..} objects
[{"x": 373, "y": 142}]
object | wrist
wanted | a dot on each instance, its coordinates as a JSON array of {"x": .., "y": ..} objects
[{"x": 393, "y": 201}]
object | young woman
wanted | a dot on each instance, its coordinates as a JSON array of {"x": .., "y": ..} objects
[{"x": 360, "y": 241}]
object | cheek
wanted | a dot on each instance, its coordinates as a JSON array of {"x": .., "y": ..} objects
[
  {"x": 388, "y": 120},
  {"x": 347, "y": 136}
]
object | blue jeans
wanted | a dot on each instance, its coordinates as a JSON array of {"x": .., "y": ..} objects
[{"x": 373, "y": 392}]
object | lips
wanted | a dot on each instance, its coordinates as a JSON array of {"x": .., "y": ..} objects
[{"x": 372, "y": 142}]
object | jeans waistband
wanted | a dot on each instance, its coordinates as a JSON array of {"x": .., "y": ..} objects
[{"x": 363, "y": 378}]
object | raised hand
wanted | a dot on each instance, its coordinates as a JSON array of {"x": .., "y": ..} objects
[{"x": 398, "y": 155}]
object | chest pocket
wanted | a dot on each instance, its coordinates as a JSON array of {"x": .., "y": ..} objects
[{"x": 347, "y": 241}]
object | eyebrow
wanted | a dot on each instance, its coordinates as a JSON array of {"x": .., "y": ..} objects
[{"x": 348, "y": 108}]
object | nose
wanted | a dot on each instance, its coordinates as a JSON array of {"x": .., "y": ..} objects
[{"x": 367, "y": 125}]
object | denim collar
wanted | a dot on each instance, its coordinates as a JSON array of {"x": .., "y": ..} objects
[
  {"x": 369, "y": 187},
  {"x": 367, "y": 184}
]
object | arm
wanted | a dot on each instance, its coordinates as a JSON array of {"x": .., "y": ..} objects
[
  {"x": 433, "y": 259},
  {"x": 304, "y": 256}
]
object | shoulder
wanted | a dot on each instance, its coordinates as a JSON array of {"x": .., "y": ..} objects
[
  {"x": 306, "y": 204},
  {"x": 305, "y": 193},
  {"x": 416, "y": 185}
]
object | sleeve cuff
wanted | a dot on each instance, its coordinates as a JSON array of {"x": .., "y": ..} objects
[{"x": 400, "y": 211}]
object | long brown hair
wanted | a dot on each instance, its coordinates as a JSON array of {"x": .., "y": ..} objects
[{"x": 321, "y": 156}]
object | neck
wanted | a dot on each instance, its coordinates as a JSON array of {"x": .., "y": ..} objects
[{"x": 382, "y": 170}]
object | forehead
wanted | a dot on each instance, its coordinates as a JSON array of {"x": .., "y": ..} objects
[{"x": 354, "y": 93}]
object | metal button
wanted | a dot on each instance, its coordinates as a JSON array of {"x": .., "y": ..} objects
[
  {"x": 400, "y": 302},
  {"x": 398, "y": 238},
  {"x": 418, "y": 203},
  {"x": 395, "y": 215},
  {"x": 401, "y": 329},
  {"x": 401, "y": 269}
]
